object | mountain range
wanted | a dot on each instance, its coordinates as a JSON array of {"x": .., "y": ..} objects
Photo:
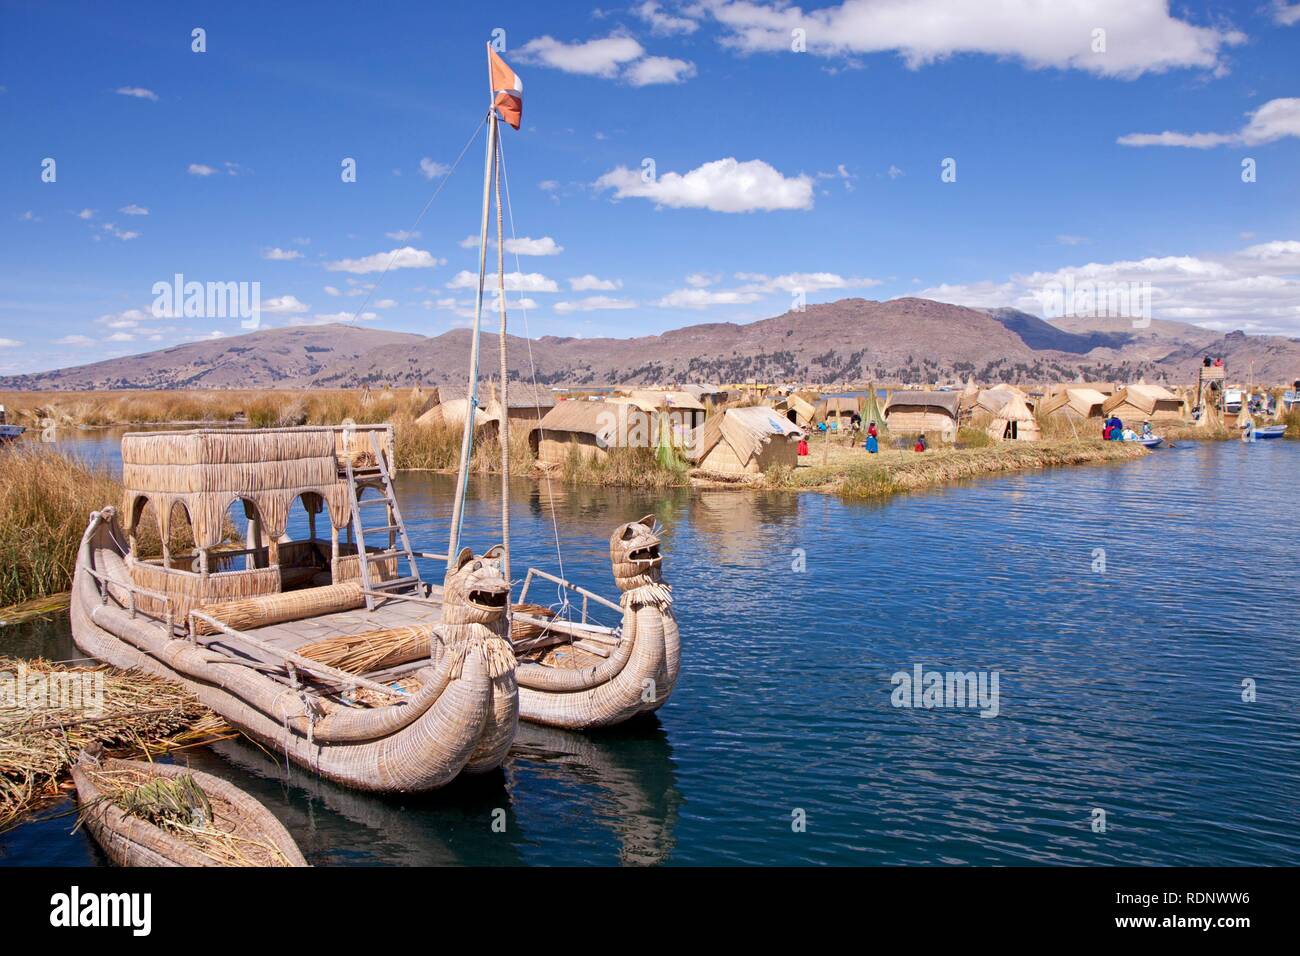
[{"x": 909, "y": 340}]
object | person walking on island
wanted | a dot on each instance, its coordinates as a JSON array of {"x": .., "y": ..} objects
[
  {"x": 803, "y": 446},
  {"x": 920, "y": 443},
  {"x": 872, "y": 444}
]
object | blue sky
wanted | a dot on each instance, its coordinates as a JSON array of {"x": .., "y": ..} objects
[{"x": 775, "y": 170}]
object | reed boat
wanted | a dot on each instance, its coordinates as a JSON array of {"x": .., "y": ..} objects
[
  {"x": 580, "y": 681},
  {"x": 9, "y": 432},
  {"x": 216, "y": 823},
  {"x": 229, "y": 622}
]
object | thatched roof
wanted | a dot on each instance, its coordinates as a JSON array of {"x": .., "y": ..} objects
[
  {"x": 599, "y": 419},
  {"x": 452, "y": 414},
  {"x": 206, "y": 469},
  {"x": 746, "y": 430},
  {"x": 1014, "y": 409},
  {"x": 838, "y": 405},
  {"x": 947, "y": 402},
  {"x": 1087, "y": 402},
  {"x": 1143, "y": 397},
  {"x": 657, "y": 400}
]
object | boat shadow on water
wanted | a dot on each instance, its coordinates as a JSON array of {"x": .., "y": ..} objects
[{"x": 625, "y": 772}]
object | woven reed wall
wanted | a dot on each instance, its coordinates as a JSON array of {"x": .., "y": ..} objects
[
  {"x": 347, "y": 568},
  {"x": 188, "y": 590}
]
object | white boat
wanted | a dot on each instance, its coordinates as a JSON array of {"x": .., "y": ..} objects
[
  {"x": 1150, "y": 441},
  {"x": 9, "y": 432}
]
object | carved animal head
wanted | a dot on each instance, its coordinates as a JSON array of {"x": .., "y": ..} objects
[
  {"x": 634, "y": 554},
  {"x": 475, "y": 591}
]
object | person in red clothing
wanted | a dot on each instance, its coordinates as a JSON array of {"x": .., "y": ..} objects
[
  {"x": 803, "y": 446},
  {"x": 872, "y": 431},
  {"x": 920, "y": 443}
]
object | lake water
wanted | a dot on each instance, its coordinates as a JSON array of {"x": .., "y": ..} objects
[{"x": 1120, "y": 688}]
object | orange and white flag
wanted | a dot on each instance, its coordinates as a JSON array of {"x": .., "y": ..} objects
[{"x": 507, "y": 90}]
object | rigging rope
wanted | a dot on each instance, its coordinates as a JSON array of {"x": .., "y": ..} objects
[
  {"x": 375, "y": 288},
  {"x": 561, "y": 593}
]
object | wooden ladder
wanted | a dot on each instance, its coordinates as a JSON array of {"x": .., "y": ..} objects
[{"x": 395, "y": 528}]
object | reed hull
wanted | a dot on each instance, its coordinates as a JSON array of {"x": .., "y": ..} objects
[
  {"x": 637, "y": 677},
  {"x": 461, "y": 718},
  {"x": 129, "y": 841}
]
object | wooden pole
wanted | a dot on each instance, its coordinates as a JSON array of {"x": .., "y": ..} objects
[
  {"x": 467, "y": 435},
  {"x": 503, "y": 431}
]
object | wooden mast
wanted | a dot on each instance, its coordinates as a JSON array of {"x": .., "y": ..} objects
[{"x": 467, "y": 434}]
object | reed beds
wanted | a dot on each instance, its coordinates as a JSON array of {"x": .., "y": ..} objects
[
  {"x": 50, "y": 712},
  {"x": 624, "y": 467},
  {"x": 855, "y": 474},
  {"x": 421, "y": 447}
]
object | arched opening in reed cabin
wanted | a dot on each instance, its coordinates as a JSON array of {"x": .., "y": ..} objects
[{"x": 306, "y": 549}]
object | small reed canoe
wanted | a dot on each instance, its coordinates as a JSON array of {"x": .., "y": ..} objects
[{"x": 232, "y": 829}]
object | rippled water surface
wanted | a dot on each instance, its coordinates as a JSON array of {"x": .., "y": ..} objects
[{"x": 1118, "y": 689}]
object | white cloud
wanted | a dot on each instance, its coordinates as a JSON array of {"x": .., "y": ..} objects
[
  {"x": 129, "y": 318},
  {"x": 602, "y": 57},
  {"x": 407, "y": 257},
  {"x": 77, "y": 340},
  {"x": 326, "y": 318},
  {"x": 616, "y": 56},
  {"x": 548, "y": 185},
  {"x": 1254, "y": 289},
  {"x": 703, "y": 298},
  {"x": 86, "y": 214},
  {"x": 699, "y": 280},
  {"x": 276, "y": 254},
  {"x": 1141, "y": 35},
  {"x": 385, "y": 304},
  {"x": 663, "y": 23},
  {"x": 431, "y": 170},
  {"x": 654, "y": 70},
  {"x": 403, "y": 235},
  {"x": 332, "y": 290},
  {"x": 139, "y": 92},
  {"x": 802, "y": 282},
  {"x": 1287, "y": 14},
  {"x": 515, "y": 282},
  {"x": 591, "y": 283},
  {"x": 1274, "y": 120},
  {"x": 131, "y": 209},
  {"x": 123, "y": 234},
  {"x": 894, "y": 172},
  {"x": 29, "y": 216},
  {"x": 594, "y": 303},
  {"x": 723, "y": 185},
  {"x": 521, "y": 246},
  {"x": 9, "y": 343},
  {"x": 1068, "y": 240},
  {"x": 121, "y": 337},
  {"x": 284, "y": 305},
  {"x": 199, "y": 169}
]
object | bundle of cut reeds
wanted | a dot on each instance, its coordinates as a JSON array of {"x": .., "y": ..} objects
[
  {"x": 278, "y": 608},
  {"x": 50, "y": 712}
]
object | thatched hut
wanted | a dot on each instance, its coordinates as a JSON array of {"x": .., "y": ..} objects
[
  {"x": 872, "y": 411},
  {"x": 1014, "y": 422},
  {"x": 745, "y": 441},
  {"x": 683, "y": 408},
  {"x": 452, "y": 415},
  {"x": 1075, "y": 403},
  {"x": 527, "y": 404},
  {"x": 838, "y": 410},
  {"x": 912, "y": 412},
  {"x": 1145, "y": 402},
  {"x": 590, "y": 428}
]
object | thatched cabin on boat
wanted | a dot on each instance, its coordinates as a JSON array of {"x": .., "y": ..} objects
[
  {"x": 745, "y": 441},
  {"x": 912, "y": 412},
  {"x": 1075, "y": 403},
  {"x": 196, "y": 476},
  {"x": 1145, "y": 402}
]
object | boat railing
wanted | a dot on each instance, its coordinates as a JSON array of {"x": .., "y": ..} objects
[
  {"x": 105, "y": 583},
  {"x": 587, "y": 596}
]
